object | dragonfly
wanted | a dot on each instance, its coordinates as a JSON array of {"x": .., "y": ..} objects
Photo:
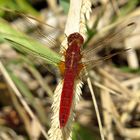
[
  {"x": 73, "y": 65},
  {"x": 76, "y": 58}
]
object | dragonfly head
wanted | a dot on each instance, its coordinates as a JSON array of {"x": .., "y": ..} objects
[{"x": 75, "y": 37}]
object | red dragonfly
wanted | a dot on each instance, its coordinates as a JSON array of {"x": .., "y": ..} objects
[
  {"x": 76, "y": 58},
  {"x": 73, "y": 65}
]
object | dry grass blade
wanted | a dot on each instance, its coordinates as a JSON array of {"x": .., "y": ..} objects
[
  {"x": 40, "y": 79},
  {"x": 96, "y": 109},
  {"x": 18, "y": 94},
  {"x": 126, "y": 92},
  {"x": 133, "y": 133},
  {"x": 103, "y": 87},
  {"x": 21, "y": 112},
  {"x": 106, "y": 104}
]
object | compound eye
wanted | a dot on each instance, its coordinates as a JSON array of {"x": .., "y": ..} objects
[{"x": 75, "y": 36}]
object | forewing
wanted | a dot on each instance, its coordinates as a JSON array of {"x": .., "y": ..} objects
[
  {"x": 44, "y": 32},
  {"x": 115, "y": 35},
  {"x": 27, "y": 44}
]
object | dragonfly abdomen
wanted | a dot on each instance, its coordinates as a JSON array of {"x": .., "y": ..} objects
[{"x": 66, "y": 98}]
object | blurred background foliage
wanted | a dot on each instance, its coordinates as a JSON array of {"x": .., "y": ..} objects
[{"x": 29, "y": 54}]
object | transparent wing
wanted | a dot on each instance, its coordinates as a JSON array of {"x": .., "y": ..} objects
[
  {"x": 97, "y": 61},
  {"x": 27, "y": 44},
  {"x": 44, "y": 32},
  {"x": 113, "y": 36}
]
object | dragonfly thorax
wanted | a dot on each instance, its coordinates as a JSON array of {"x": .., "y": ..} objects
[{"x": 73, "y": 55}]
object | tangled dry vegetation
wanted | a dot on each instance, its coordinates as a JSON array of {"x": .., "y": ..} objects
[{"x": 27, "y": 83}]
